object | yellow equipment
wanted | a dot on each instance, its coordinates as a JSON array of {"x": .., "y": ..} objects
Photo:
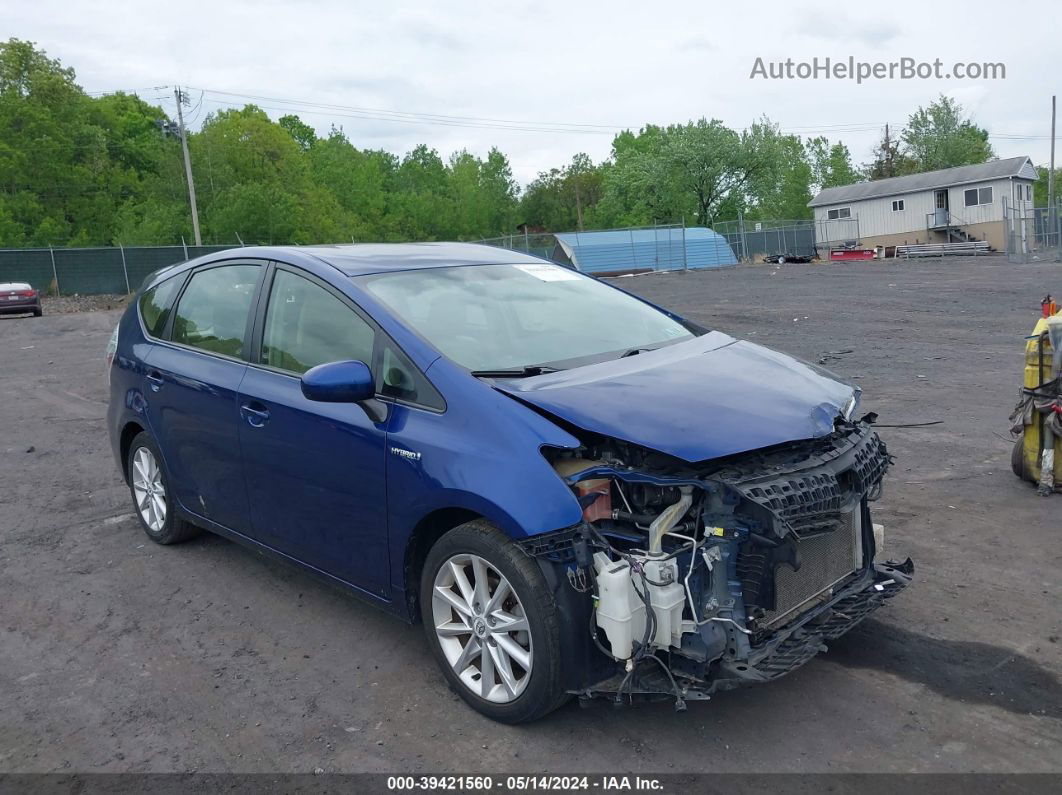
[{"x": 1040, "y": 398}]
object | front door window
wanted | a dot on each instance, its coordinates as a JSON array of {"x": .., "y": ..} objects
[{"x": 306, "y": 326}]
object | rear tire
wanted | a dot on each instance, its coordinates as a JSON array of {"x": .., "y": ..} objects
[
  {"x": 38, "y": 312},
  {"x": 468, "y": 638},
  {"x": 150, "y": 490}
]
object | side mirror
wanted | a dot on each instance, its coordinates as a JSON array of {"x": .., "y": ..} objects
[{"x": 339, "y": 382}]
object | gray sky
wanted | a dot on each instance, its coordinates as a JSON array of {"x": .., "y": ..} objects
[{"x": 554, "y": 65}]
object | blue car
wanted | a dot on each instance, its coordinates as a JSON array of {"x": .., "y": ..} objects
[{"x": 577, "y": 492}]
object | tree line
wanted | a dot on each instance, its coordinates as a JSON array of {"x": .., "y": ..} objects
[{"x": 81, "y": 170}]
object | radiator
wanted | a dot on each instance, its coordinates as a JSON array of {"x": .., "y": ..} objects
[{"x": 825, "y": 560}]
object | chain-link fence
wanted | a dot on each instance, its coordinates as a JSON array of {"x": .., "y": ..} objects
[
  {"x": 752, "y": 240},
  {"x": 91, "y": 271},
  {"x": 88, "y": 271},
  {"x": 1032, "y": 234}
]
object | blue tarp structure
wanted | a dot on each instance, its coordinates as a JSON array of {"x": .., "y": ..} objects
[{"x": 639, "y": 250}]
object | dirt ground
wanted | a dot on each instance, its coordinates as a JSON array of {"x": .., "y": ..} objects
[{"x": 119, "y": 655}]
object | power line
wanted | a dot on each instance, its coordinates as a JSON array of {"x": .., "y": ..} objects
[
  {"x": 403, "y": 120},
  {"x": 486, "y": 122},
  {"x": 124, "y": 91},
  {"x": 418, "y": 115}
]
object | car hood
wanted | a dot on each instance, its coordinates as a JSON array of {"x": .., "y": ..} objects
[{"x": 708, "y": 397}]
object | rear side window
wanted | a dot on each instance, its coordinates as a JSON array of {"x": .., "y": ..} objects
[
  {"x": 212, "y": 313},
  {"x": 155, "y": 305},
  {"x": 306, "y": 326}
]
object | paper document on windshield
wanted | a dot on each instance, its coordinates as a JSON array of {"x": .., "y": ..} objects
[{"x": 549, "y": 273}]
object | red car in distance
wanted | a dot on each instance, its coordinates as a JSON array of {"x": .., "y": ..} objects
[{"x": 19, "y": 298}]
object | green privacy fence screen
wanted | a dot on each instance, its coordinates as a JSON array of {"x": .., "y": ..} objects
[{"x": 91, "y": 271}]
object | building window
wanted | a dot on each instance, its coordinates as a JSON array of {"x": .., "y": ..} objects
[
  {"x": 1028, "y": 192},
  {"x": 839, "y": 213},
  {"x": 976, "y": 196},
  {"x": 897, "y": 205}
]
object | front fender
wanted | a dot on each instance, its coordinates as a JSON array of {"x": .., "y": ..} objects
[{"x": 483, "y": 455}]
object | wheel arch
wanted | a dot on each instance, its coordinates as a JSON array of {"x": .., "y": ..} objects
[
  {"x": 421, "y": 539},
  {"x": 129, "y": 432}
]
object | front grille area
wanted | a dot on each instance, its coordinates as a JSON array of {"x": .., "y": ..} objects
[
  {"x": 825, "y": 559},
  {"x": 810, "y": 495},
  {"x": 807, "y": 501}
]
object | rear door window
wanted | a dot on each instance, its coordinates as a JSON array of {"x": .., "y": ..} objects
[{"x": 212, "y": 312}]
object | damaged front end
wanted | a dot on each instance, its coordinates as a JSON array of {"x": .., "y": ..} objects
[{"x": 694, "y": 578}]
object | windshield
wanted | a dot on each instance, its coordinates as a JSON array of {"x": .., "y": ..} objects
[{"x": 498, "y": 317}]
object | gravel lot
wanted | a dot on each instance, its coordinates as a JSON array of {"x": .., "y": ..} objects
[
  {"x": 119, "y": 655},
  {"x": 65, "y": 304}
]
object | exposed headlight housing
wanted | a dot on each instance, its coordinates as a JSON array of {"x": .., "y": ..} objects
[{"x": 850, "y": 406}]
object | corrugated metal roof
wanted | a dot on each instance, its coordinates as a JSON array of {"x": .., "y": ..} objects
[
  {"x": 928, "y": 180},
  {"x": 629, "y": 250}
]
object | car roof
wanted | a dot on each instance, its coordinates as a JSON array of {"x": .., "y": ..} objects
[
  {"x": 14, "y": 286},
  {"x": 357, "y": 259}
]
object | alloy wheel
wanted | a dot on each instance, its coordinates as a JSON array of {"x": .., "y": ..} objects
[
  {"x": 482, "y": 628},
  {"x": 148, "y": 490}
]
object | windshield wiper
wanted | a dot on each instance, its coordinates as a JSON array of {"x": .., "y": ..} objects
[
  {"x": 634, "y": 352},
  {"x": 515, "y": 372}
]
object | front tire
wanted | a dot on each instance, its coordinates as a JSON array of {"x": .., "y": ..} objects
[
  {"x": 492, "y": 624},
  {"x": 149, "y": 488}
]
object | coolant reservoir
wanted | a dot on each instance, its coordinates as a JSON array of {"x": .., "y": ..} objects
[{"x": 667, "y": 601}]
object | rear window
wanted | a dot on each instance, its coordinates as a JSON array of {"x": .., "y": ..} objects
[{"x": 155, "y": 305}]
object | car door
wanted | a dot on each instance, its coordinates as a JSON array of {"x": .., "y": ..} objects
[
  {"x": 314, "y": 471},
  {"x": 192, "y": 377}
]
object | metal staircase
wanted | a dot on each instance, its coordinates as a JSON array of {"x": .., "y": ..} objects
[{"x": 947, "y": 225}]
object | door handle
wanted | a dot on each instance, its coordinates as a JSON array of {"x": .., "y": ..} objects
[
  {"x": 255, "y": 414},
  {"x": 155, "y": 380}
]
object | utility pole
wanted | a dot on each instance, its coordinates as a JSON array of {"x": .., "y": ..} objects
[
  {"x": 182, "y": 99},
  {"x": 1051, "y": 173},
  {"x": 888, "y": 153},
  {"x": 1052, "y": 210}
]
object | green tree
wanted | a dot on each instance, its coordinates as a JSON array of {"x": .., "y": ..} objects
[
  {"x": 1040, "y": 187},
  {"x": 831, "y": 164},
  {"x": 563, "y": 198},
  {"x": 785, "y": 190},
  {"x": 686, "y": 171},
  {"x": 940, "y": 136},
  {"x": 70, "y": 163},
  {"x": 421, "y": 202},
  {"x": 361, "y": 181},
  {"x": 303, "y": 134},
  {"x": 256, "y": 181}
]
